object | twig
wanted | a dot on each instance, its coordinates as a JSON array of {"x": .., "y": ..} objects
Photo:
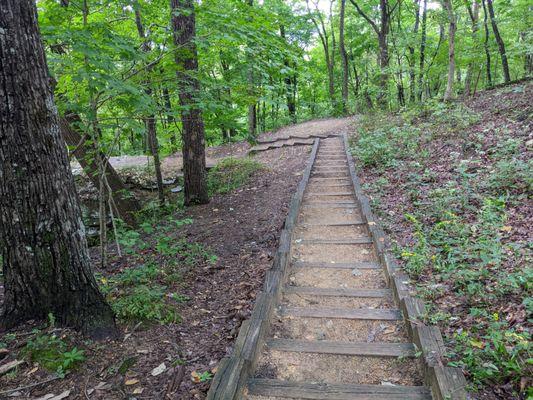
[
  {"x": 29, "y": 386},
  {"x": 128, "y": 335}
]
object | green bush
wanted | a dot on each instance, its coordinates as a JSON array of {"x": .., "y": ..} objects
[{"x": 230, "y": 174}]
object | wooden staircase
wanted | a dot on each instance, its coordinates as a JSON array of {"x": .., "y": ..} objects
[{"x": 335, "y": 320}]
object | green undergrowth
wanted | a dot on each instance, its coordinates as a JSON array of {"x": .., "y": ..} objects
[
  {"x": 476, "y": 282},
  {"x": 230, "y": 174},
  {"x": 52, "y": 352},
  {"x": 148, "y": 291}
]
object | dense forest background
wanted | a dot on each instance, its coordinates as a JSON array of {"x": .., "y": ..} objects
[{"x": 265, "y": 64}]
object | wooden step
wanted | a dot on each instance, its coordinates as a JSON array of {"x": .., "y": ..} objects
[
  {"x": 314, "y": 291},
  {"x": 331, "y": 194},
  {"x": 364, "y": 240},
  {"x": 273, "y": 388},
  {"x": 372, "y": 349},
  {"x": 325, "y": 224},
  {"x": 355, "y": 313},
  {"x": 348, "y": 265},
  {"x": 331, "y": 179},
  {"x": 318, "y": 205},
  {"x": 336, "y": 174},
  {"x": 335, "y": 202}
]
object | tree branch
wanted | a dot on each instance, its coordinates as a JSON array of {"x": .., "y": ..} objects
[{"x": 372, "y": 23}]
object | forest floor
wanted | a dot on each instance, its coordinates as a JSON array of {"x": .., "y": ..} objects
[
  {"x": 184, "y": 283},
  {"x": 453, "y": 186}
]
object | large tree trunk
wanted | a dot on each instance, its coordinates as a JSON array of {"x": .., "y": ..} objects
[
  {"x": 448, "y": 94},
  {"x": 499, "y": 40},
  {"x": 486, "y": 44},
  {"x": 123, "y": 202},
  {"x": 45, "y": 257},
  {"x": 344, "y": 56},
  {"x": 193, "y": 137}
]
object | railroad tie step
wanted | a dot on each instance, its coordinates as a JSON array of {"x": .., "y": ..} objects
[
  {"x": 332, "y": 224},
  {"x": 330, "y": 194},
  {"x": 371, "y": 349},
  {"x": 337, "y": 292},
  {"x": 334, "y": 202},
  {"x": 373, "y": 314},
  {"x": 338, "y": 265},
  {"x": 363, "y": 240},
  {"x": 334, "y": 391},
  {"x": 318, "y": 205}
]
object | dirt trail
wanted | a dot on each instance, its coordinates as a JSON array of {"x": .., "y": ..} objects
[{"x": 330, "y": 339}]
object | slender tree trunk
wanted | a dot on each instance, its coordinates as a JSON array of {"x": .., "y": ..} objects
[
  {"x": 45, "y": 257},
  {"x": 344, "y": 56},
  {"x": 383, "y": 55},
  {"x": 193, "y": 136},
  {"x": 170, "y": 118},
  {"x": 383, "y": 52},
  {"x": 324, "y": 38},
  {"x": 124, "y": 204},
  {"x": 412, "y": 73},
  {"x": 252, "y": 107},
  {"x": 448, "y": 94},
  {"x": 528, "y": 57},
  {"x": 486, "y": 44},
  {"x": 474, "y": 17},
  {"x": 499, "y": 40},
  {"x": 151, "y": 128},
  {"x": 290, "y": 89},
  {"x": 422, "y": 50}
]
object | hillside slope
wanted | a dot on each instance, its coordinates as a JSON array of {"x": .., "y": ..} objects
[{"x": 453, "y": 184}]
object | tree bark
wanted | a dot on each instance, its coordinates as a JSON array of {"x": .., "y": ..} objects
[
  {"x": 448, "y": 94},
  {"x": 193, "y": 136},
  {"x": 499, "y": 40},
  {"x": 344, "y": 56},
  {"x": 45, "y": 257}
]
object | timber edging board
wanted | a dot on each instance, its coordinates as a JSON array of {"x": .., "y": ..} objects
[
  {"x": 234, "y": 371},
  {"x": 446, "y": 383}
]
